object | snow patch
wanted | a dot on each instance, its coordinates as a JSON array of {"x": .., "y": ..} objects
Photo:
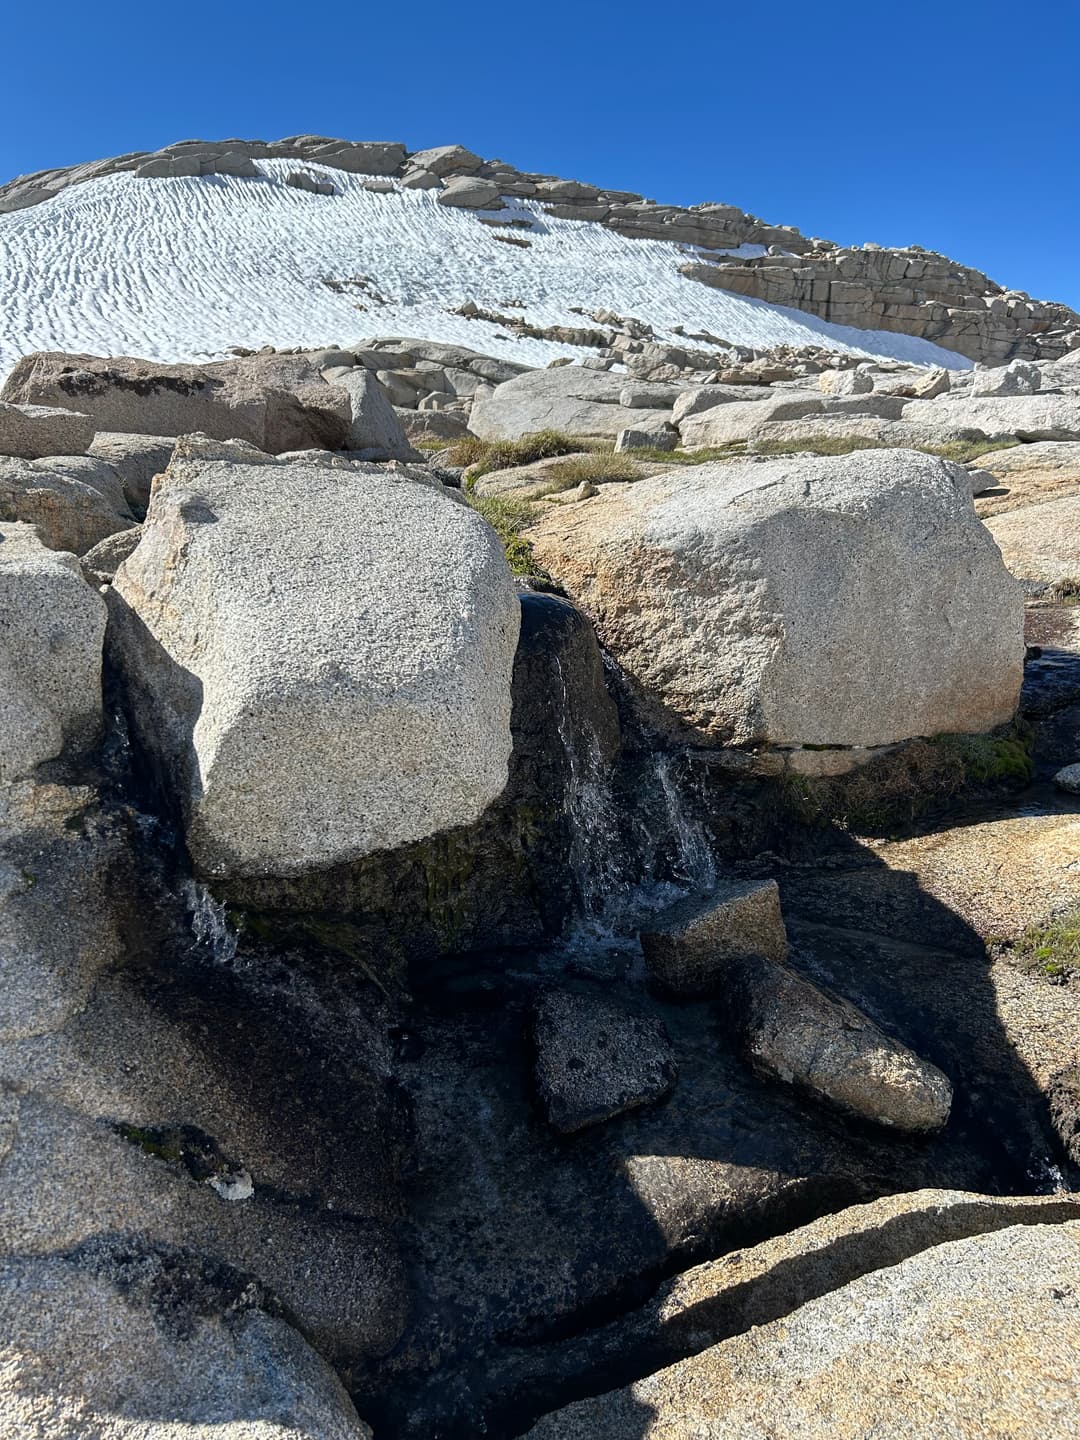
[{"x": 183, "y": 268}]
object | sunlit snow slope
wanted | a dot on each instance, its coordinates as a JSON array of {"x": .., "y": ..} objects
[{"x": 180, "y": 269}]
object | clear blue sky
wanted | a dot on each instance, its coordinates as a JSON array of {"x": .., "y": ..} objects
[{"x": 953, "y": 125}]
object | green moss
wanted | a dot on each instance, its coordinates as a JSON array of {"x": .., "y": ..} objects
[
  {"x": 1050, "y": 951},
  {"x": 992, "y": 759},
  {"x": 902, "y": 785},
  {"x": 162, "y": 1143}
]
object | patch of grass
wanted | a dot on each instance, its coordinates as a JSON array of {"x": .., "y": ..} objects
[
  {"x": 730, "y": 451},
  {"x": 1050, "y": 951},
  {"x": 480, "y": 457},
  {"x": 819, "y": 445},
  {"x": 600, "y": 466},
  {"x": 508, "y": 518},
  {"x": 964, "y": 451}
]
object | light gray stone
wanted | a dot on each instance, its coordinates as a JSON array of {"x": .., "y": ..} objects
[
  {"x": 101, "y": 563},
  {"x": 739, "y": 595},
  {"x": 825, "y": 1046},
  {"x": 569, "y": 398},
  {"x": 33, "y": 431},
  {"x": 279, "y": 621},
  {"x": 376, "y": 432},
  {"x": 857, "y": 381},
  {"x": 275, "y": 402},
  {"x": 596, "y": 1059},
  {"x": 445, "y": 160},
  {"x": 52, "y": 626},
  {"x": 652, "y": 435},
  {"x": 1068, "y": 778},
  {"x": 1021, "y": 417},
  {"x": 705, "y": 397},
  {"x": 693, "y": 947},
  {"x": 1019, "y": 377},
  {"x": 72, "y": 501},
  {"x": 421, "y": 180}
]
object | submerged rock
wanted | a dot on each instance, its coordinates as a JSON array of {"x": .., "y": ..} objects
[
  {"x": 795, "y": 1033},
  {"x": 318, "y": 659},
  {"x": 595, "y": 1059}
]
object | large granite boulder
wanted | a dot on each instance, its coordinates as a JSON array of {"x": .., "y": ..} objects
[
  {"x": 318, "y": 657},
  {"x": 275, "y": 402},
  {"x": 73, "y": 501},
  {"x": 852, "y": 601},
  {"x": 33, "y": 431},
  {"x": 739, "y": 420},
  {"x": 568, "y": 398},
  {"x": 851, "y": 1327},
  {"x": 52, "y": 626}
]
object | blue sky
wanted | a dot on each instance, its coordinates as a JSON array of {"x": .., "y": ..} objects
[{"x": 955, "y": 126}]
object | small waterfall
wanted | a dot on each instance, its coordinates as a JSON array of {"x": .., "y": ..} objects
[
  {"x": 209, "y": 925},
  {"x": 693, "y": 864},
  {"x": 595, "y": 856}
]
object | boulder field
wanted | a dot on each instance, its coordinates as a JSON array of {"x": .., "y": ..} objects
[{"x": 551, "y": 934}]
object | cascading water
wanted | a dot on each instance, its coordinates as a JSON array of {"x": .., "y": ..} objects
[{"x": 209, "y": 924}]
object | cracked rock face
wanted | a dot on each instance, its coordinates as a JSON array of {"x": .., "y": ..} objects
[{"x": 854, "y": 601}]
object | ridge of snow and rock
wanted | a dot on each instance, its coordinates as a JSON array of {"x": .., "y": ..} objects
[{"x": 182, "y": 267}]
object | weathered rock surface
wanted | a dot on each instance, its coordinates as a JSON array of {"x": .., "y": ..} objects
[
  {"x": 101, "y": 563},
  {"x": 1020, "y": 417},
  {"x": 376, "y": 432},
  {"x": 52, "y": 627},
  {"x": 279, "y": 621},
  {"x": 970, "y": 1338},
  {"x": 32, "y": 430},
  {"x": 136, "y": 459},
  {"x": 792, "y": 1031},
  {"x": 126, "y": 1348},
  {"x": 275, "y": 402},
  {"x": 725, "y": 424},
  {"x": 1041, "y": 542},
  {"x": 596, "y": 1059},
  {"x": 1030, "y": 474},
  {"x": 694, "y": 946},
  {"x": 470, "y": 192},
  {"x": 569, "y": 398},
  {"x": 857, "y": 381},
  {"x": 731, "y": 593},
  {"x": 72, "y": 501}
]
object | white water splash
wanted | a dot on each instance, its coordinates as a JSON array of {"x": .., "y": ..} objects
[{"x": 209, "y": 925}]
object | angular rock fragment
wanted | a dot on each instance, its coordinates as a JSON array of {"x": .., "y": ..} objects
[
  {"x": 693, "y": 947},
  {"x": 31, "y": 431},
  {"x": 73, "y": 501}
]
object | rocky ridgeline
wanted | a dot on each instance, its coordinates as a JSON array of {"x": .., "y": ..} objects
[
  {"x": 484, "y": 1002},
  {"x": 911, "y": 291}
]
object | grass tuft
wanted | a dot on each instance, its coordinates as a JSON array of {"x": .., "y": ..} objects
[
  {"x": 480, "y": 457},
  {"x": 964, "y": 451},
  {"x": 819, "y": 445},
  {"x": 508, "y": 518},
  {"x": 1051, "y": 951}
]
